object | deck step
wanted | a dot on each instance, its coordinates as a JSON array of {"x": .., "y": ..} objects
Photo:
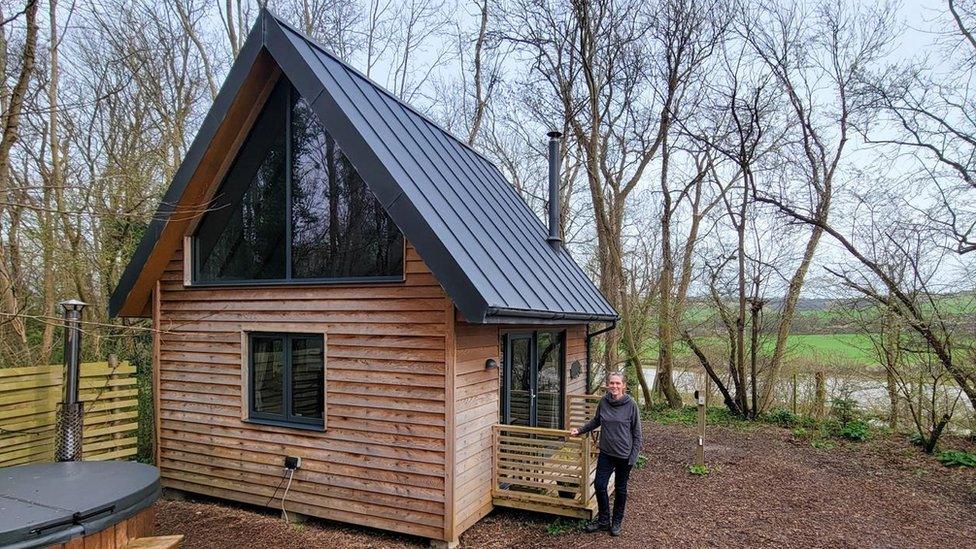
[{"x": 155, "y": 542}]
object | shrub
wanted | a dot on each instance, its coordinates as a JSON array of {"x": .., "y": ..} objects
[
  {"x": 830, "y": 428},
  {"x": 844, "y": 409},
  {"x": 855, "y": 430},
  {"x": 800, "y": 432},
  {"x": 783, "y": 417},
  {"x": 641, "y": 461},
  {"x": 957, "y": 458}
]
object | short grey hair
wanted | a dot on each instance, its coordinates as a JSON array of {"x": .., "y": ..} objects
[{"x": 623, "y": 378}]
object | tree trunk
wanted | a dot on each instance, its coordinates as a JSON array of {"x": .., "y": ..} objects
[
  {"x": 665, "y": 324},
  {"x": 730, "y": 402},
  {"x": 787, "y": 314},
  {"x": 54, "y": 179},
  {"x": 11, "y": 133},
  {"x": 633, "y": 351},
  {"x": 755, "y": 312},
  {"x": 819, "y": 394}
]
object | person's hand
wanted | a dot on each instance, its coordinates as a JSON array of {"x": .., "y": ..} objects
[{"x": 574, "y": 432}]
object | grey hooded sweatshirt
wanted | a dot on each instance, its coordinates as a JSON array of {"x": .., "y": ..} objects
[{"x": 621, "y": 429}]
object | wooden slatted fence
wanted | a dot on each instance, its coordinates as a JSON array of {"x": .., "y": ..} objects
[{"x": 29, "y": 399}]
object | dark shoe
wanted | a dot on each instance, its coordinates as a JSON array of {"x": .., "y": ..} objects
[
  {"x": 595, "y": 526},
  {"x": 615, "y": 529}
]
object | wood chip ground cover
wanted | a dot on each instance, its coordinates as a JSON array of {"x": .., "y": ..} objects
[{"x": 766, "y": 488}]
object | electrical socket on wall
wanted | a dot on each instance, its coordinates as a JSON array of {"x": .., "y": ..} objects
[{"x": 293, "y": 462}]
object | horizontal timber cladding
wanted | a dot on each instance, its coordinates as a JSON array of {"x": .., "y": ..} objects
[
  {"x": 381, "y": 462},
  {"x": 477, "y": 409}
]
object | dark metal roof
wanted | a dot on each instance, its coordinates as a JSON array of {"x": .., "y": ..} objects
[{"x": 480, "y": 239}]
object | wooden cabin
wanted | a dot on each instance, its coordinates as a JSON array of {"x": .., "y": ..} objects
[{"x": 334, "y": 277}]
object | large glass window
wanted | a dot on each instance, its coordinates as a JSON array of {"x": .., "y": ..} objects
[
  {"x": 287, "y": 379},
  {"x": 293, "y": 208}
]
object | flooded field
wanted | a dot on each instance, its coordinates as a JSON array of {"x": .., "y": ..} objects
[{"x": 869, "y": 392}]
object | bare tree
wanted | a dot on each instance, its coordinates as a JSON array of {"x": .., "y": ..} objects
[
  {"x": 13, "y": 103},
  {"x": 912, "y": 258},
  {"x": 816, "y": 58},
  {"x": 925, "y": 108}
]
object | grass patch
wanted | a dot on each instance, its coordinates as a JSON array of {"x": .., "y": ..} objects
[
  {"x": 844, "y": 346},
  {"x": 688, "y": 415},
  {"x": 800, "y": 432},
  {"x": 823, "y": 444},
  {"x": 641, "y": 461},
  {"x": 562, "y": 526}
]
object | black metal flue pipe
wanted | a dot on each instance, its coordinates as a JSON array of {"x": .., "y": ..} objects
[
  {"x": 70, "y": 413},
  {"x": 555, "y": 238}
]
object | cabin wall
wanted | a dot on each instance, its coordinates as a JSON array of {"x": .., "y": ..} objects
[
  {"x": 382, "y": 460},
  {"x": 477, "y": 407}
]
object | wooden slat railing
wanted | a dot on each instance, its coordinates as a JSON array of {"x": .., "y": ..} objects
[
  {"x": 579, "y": 409},
  {"x": 544, "y": 470},
  {"x": 29, "y": 399}
]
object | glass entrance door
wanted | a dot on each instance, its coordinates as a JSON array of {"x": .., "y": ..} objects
[
  {"x": 533, "y": 384},
  {"x": 518, "y": 385}
]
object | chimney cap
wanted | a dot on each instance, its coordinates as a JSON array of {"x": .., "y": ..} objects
[
  {"x": 554, "y": 134},
  {"x": 72, "y": 305}
]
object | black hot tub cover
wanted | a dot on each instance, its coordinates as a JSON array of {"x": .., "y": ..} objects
[{"x": 48, "y": 503}]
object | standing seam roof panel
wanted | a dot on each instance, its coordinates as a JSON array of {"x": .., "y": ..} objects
[
  {"x": 340, "y": 95},
  {"x": 555, "y": 260},
  {"x": 470, "y": 201},
  {"x": 569, "y": 266},
  {"x": 488, "y": 196},
  {"x": 499, "y": 194},
  {"x": 491, "y": 248}
]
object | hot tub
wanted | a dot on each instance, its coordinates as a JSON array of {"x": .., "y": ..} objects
[{"x": 47, "y": 504}]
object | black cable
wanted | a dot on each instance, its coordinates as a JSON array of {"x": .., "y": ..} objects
[{"x": 275, "y": 493}]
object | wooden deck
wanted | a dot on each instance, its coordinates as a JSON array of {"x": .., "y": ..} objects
[{"x": 547, "y": 470}]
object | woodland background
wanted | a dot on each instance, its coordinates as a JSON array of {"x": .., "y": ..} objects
[{"x": 766, "y": 190}]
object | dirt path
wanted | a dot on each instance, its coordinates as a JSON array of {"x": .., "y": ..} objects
[{"x": 766, "y": 489}]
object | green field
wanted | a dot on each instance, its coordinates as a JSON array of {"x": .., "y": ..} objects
[
  {"x": 854, "y": 347},
  {"x": 846, "y": 347}
]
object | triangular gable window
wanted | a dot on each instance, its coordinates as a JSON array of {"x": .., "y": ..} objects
[{"x": 292, "y": 208}]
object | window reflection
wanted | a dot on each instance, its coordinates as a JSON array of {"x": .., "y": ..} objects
[{"x": 338, "y": 227}]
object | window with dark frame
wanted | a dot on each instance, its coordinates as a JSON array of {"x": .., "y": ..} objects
[
  {"x": 293, "y": 209},
  {"x": 533, "y": 384},
  {"x": 286, "y": 379}
]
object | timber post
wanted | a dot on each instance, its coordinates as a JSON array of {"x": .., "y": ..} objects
[
  {"x": 585, "y": 462},
  {"x": 700, "y": 448},
  {"x": 794, "y": 393}
]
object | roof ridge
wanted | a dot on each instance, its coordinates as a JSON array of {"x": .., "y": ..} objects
[{"x": 380, "y": 88}]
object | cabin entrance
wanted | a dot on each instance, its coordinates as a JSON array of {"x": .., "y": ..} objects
[{"x": 533, "y": 379}]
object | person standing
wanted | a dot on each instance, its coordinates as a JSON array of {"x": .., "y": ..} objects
[{"x": 620, "y": 442}]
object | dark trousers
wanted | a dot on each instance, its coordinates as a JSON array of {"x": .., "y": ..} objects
[{"x": 606, "y": 465}]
